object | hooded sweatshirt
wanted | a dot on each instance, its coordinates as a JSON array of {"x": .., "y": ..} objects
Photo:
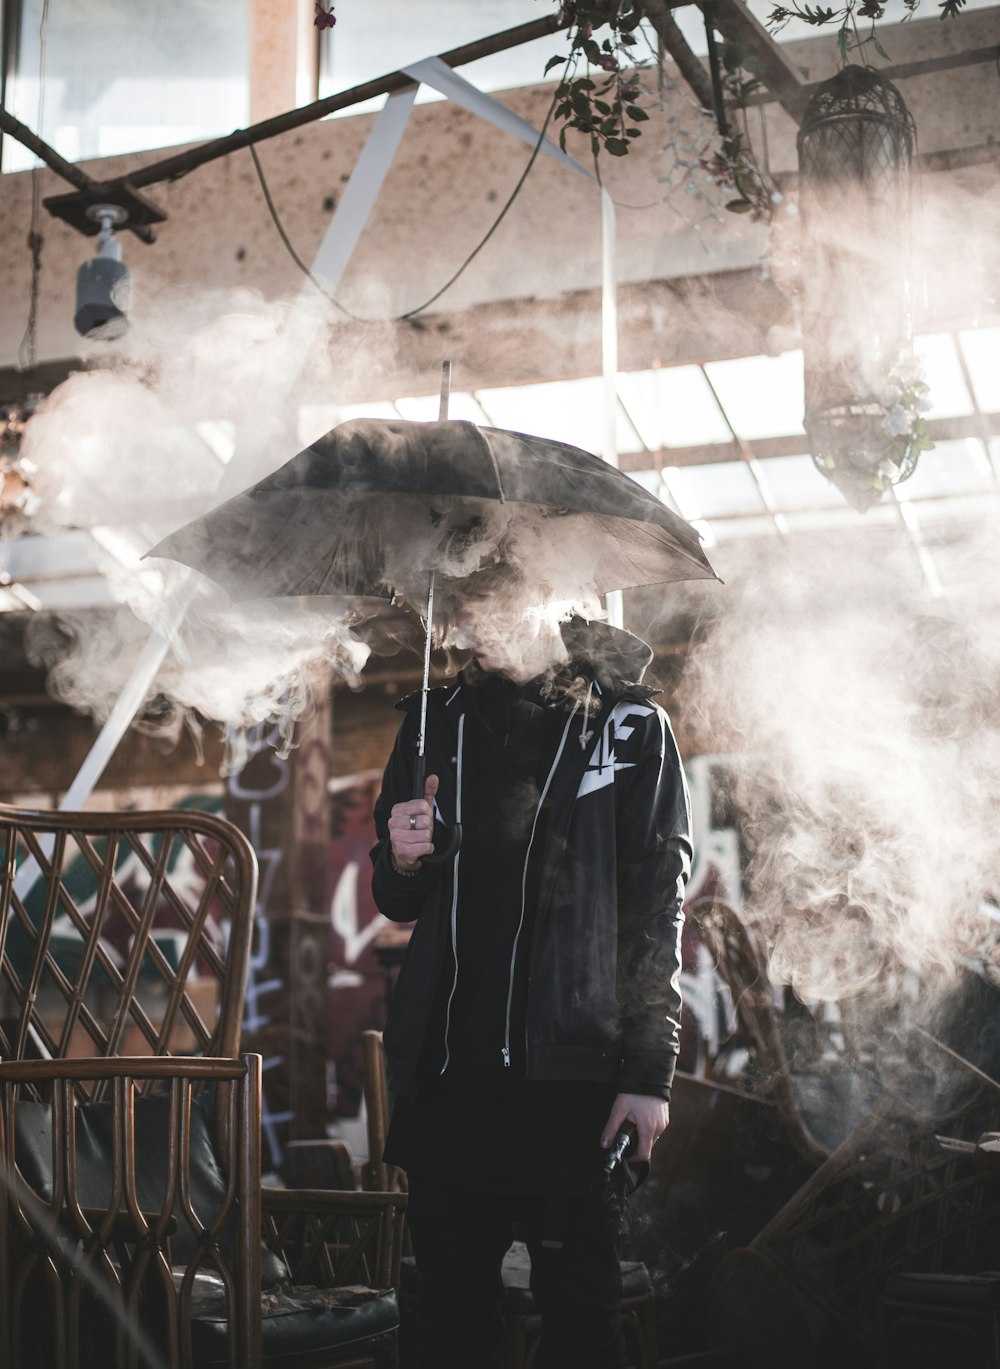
[{"x": 547, "y": 950}]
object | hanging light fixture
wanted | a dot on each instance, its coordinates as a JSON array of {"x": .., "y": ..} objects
[
  {"x": 102, "y": 284},
  {"x": 864, "y": 392}
]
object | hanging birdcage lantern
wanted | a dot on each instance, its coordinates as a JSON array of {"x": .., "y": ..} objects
[{"x": 864, "y": 394}]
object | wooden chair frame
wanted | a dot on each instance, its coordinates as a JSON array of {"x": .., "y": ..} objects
[{"x": 80, "y": 978}]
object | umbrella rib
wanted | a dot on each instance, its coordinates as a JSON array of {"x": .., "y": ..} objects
[{"x": 492, "y": 455}]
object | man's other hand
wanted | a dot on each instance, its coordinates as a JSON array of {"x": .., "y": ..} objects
[
  {"x": 649, "y": 1116},
  {"x": 411, "y": 826}
]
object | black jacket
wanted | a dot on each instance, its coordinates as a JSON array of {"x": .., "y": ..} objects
[{"x": 604, "y": 961}]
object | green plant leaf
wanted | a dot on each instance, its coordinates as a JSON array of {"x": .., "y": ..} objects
[
  {"x": 552, "y": 62},
  {"x": 637, "y": 113},
  {"x": 739, "y": 206},
  {"x": 618, "y": 147}
]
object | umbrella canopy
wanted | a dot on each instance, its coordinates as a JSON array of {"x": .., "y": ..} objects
[{"x": 374, "y": 505}]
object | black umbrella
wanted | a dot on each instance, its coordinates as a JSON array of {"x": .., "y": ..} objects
[
  {"x": 375, "y": 506},
  {"x": 347, "y": 514}
]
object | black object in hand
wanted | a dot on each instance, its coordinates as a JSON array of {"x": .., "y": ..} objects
[{"x": 616, "y": 1152}]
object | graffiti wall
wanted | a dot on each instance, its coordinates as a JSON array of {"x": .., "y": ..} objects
[{"x": 356, "y": 980}]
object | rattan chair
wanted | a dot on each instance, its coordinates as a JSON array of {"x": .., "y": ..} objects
[
  {"x": 743, "y": 970},
  {"x": 135, "y": 1230}
]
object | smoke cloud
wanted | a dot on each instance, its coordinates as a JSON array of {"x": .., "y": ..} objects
[
  {"x": 863, "y": 721},
  {"x": 201, "y": 397}
]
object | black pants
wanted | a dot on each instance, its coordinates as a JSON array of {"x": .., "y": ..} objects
[{"x": 460, "y": 1239}]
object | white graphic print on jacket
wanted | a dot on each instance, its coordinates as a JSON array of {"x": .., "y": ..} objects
[{"x": 617, "y": 747}]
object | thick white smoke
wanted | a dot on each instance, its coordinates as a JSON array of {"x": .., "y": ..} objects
[
  {"x": 862, "y": 717},
  {"x": 201, "y": 397}
]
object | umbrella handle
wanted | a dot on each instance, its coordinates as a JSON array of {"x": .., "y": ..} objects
[
  {"x": 454, "y": 834},
  {"x": 450, "y": 851}
]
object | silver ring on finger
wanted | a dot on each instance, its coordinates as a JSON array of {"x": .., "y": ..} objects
[{"x": 413, "y": 822}]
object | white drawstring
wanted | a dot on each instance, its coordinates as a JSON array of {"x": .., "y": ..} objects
[{"x": 585, "y": 734}]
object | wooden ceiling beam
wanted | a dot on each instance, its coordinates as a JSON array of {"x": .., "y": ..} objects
[{"x": 783, "y": 79}]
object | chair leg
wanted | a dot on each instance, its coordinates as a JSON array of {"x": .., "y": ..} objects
[
  {"x": 386, "y": 1352},
  {"x": 639, "y": 1325},
  {"x": 646, "y": 1323}
]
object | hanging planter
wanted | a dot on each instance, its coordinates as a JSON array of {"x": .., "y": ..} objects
[{"x": 864, "y": 392}]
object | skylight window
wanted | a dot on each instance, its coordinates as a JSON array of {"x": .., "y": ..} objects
[
  {"x": 763, "y": 396},
  {"x": 959, "y": 467},
  {"x": 564, "y": 410},
  {"x": 795, "y": 483},
  {"x": 981, "y": 348},
  {"x": 723, "y": 490},
  {"x": 425, "y": 408},
  {"x": 948, "y": 392},
  {"x": 673, "y": 407}
]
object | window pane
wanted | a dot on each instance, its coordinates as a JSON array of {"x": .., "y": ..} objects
[
  {"x": 565, "y": 410},
  {"x": 949, "y": 394},
  {"x": 731, "y": 529},
  {"x": 122, "y": 76},
  {"x": 408, "y": 32},
  {"x": 949, "y": 468},
  {"x": 673, "y": 407},
  {"x": 425, "y": 408},
  {"x": 720, "y": 490},
  {"x": 795, "y": 483},
  {"x": 982, "y": 356},
  {"x": 763, "y": 396}
]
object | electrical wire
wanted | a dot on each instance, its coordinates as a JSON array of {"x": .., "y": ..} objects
[
  {"x": 276, "y": 218},
  {"x": 27, "y": 351},
  {"x": 410, "y": 313}
]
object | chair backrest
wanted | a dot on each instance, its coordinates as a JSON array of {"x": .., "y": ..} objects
[
  {"x": 122, "y": 934},
  {"x": 376, "y": 1175},
  {"x": 129, "y": 1132},
  {"x": 744, "y": 972}
]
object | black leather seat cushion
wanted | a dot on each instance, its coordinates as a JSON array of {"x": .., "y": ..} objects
[
  {"x": 94, "y": 1151},
  {"x": 299, "y": 1324}
]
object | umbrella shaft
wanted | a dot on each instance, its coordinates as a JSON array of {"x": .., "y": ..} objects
[
  {"x": 445, "y": 390},
  {"x": 427, "y": 673},
  {"x": 418, "y": 783}
]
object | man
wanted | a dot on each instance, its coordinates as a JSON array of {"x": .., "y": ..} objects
[{"x": 537, "y": 1011}]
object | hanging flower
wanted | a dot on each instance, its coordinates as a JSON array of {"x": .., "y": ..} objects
[
  {"x": 898, "y": 421},
  {"x": 324, "y": 19}
]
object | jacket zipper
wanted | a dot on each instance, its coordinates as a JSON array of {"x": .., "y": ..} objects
[
  {"x": 454, "y": 891},
  {"x": 505, "y": 1050}
]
